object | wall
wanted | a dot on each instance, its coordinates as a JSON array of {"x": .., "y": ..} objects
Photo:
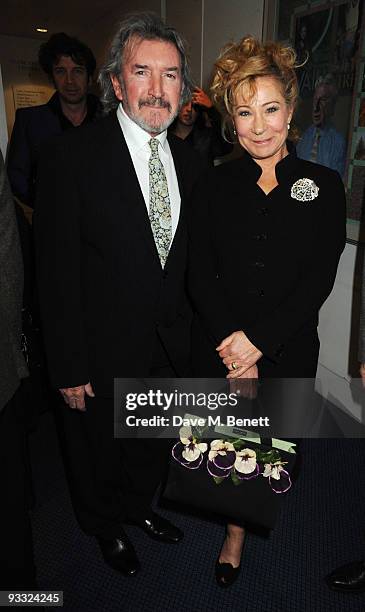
[
  {"x": 20, "y": 69},
  {"x": 236, "y": 19},
  {"x": 339, "y": 334},
  {"x": 209, "y": 24},
  {"x": 187, "y": 16}
]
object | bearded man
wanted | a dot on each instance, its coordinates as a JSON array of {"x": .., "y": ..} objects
[{"x": 111, "y": 253}]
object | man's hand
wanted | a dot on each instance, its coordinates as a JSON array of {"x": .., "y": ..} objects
[
  {"x": 75, "y": 396},
  {"x": 362, "y": 373},
  {"x": 237, "y": 349},
  {"x": 201, "y": 98}
]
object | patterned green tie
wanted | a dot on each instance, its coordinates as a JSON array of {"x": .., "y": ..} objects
[{"x": 160, "y": 209}]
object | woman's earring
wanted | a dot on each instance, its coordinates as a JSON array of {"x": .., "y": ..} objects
[
  {"x": 288, "y": 127},
  {"x": 234, "y": 131}
]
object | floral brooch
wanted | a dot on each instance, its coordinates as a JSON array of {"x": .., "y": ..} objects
[{"x": 304, "y": 190}]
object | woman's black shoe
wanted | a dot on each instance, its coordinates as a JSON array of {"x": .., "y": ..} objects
[{"x": 226, "y": 574}]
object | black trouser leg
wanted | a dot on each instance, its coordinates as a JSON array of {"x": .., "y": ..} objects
[
  {"x": 110, "y": 479},
  {"x": 92, "y": 462}
]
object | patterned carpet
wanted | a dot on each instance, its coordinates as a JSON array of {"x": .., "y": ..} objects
[{"x": 321, "y": 526}]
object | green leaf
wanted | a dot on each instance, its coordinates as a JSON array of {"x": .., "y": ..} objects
[
  {"x": 236, "y": 481},
  {"x": 268, "y": 456},
  {"x": 199, "y": 432},
  {"x": 218, "y": 480},
  {"x": 239, "y": 444}
]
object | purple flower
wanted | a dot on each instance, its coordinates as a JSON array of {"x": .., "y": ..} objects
[
  {"x": 246, "y": 465},
  {"x": 279, "y": 479},
  {"x": 189, "y": 452},
  {"x": 222, "y": 454}
]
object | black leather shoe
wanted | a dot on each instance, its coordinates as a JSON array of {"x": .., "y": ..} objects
[
  {"x": 349, "y": 578},
  {"x": 226, "y": 574},
  {"x": 159, "y": 528},
  {"x": 120, "y": 554}
]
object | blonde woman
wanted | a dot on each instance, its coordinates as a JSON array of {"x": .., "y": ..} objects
[{"x": 267, "y": 231}]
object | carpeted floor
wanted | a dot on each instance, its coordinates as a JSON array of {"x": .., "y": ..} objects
[{"x": 321, "y": 526}]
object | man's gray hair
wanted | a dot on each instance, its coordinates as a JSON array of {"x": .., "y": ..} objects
[
  {"x": 328, "y": 79},
  {"x": 144, "y": 26}
]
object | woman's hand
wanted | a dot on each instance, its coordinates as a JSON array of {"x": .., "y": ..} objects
[
  {"x": 246, "y": 384},
  {"x": 237, "y": 349}
]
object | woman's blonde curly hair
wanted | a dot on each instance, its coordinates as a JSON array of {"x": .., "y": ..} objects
[{"x": 240, "y": 64}]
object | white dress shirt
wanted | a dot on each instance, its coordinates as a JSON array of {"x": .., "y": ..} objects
[{"x": 137, "y": 141}]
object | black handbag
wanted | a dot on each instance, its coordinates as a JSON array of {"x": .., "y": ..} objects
[{"x": 215, "y": 482}]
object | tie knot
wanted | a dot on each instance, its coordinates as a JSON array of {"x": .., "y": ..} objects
[{"x": 154, "y": 145}]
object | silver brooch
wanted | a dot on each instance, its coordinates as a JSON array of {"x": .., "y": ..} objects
[{"x": 304, "y": 190}]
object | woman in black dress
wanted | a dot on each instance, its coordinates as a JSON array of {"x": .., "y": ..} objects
[{"x": 267, "y": 231}]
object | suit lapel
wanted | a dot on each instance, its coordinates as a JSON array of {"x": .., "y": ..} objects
[
  {"x": 125, "y": 180},
  {"x": 179, "y": 173},
  {"x": 126, "y": 183}
]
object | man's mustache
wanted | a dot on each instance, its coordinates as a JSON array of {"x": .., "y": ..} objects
[{"x": 154, "y": 103}]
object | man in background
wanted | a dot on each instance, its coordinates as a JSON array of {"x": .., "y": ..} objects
[
  {"x": 200, "y": 125},
  {"x": 69, "y": 64},
  {"x": 321, "y": 142}
]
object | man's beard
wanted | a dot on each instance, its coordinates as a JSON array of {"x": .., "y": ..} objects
[{"x": 154, "y": 125}]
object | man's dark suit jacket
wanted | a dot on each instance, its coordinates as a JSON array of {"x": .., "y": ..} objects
[
  {"x": 33, "y": 127},
  {"x": 103, "y": 293}
]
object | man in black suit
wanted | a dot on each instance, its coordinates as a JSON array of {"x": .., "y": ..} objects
[
  {"x": 111, "y": 268},
  {"x": 69, "y": 64}
]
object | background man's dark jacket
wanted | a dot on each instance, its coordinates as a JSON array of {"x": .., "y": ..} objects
[{"x": 33, "y": 127}]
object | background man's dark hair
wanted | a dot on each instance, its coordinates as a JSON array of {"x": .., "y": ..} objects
[{"x": 62, "y": 44}]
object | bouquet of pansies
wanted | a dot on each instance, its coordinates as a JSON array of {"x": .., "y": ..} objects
[{"x": 231, "y": 458}]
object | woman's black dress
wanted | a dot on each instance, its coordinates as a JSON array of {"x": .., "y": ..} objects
[{"x": 264, "y": 264}]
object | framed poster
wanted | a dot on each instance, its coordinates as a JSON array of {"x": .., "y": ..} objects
[
  {"x": 29, "y": 95},
  {"x": 356, "y": 167},
  {"x": 328, "y": 37}
]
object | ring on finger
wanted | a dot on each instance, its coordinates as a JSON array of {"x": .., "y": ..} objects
[{"x": 234, "y": 365}]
